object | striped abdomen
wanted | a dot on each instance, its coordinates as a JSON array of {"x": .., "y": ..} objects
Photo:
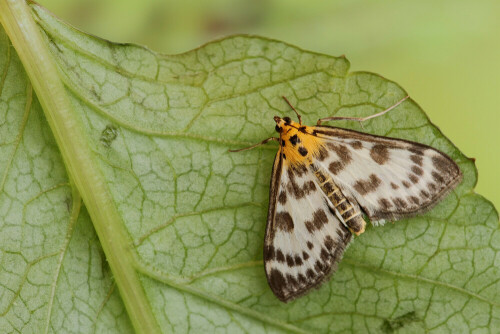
[{"x": 351, "y": 216}]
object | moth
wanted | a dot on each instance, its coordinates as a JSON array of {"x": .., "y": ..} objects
[{"x": 325, "y": 179}]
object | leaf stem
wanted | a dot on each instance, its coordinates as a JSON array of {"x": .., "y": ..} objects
[{"x": 16, "y": 17}]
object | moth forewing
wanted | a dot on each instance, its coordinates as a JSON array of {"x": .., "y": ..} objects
[
  {"x": 389, "y": 178},
  {"x": 304, "y": 238}
]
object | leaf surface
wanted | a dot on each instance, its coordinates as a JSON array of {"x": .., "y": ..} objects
[{"x": 157, "y": 129}]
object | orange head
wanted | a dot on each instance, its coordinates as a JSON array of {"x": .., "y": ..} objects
[{"x": 298, "y": 142}]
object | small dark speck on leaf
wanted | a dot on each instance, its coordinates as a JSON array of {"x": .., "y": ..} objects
[
  {"x": 108, "y": 135},
  {"x": 69, "y": 202},
  {"x": 390, "y": 325}
]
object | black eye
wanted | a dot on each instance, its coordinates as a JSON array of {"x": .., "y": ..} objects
[
  {"x": 278, "y": 129},
  {"x": 287, "y": 120}
]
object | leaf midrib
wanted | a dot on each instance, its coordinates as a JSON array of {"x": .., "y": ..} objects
[{"x": 17, "y": 20}]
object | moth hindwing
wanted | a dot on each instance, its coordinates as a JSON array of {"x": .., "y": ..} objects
[{"x": 323, "y": 179}]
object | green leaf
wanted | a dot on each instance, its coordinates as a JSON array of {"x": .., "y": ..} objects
[{"x": 142, "y": 138}]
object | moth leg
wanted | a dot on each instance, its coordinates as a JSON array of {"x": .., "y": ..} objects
[
  {"x": 361, "y": 119},
  {"x": 258, "y": 144}
]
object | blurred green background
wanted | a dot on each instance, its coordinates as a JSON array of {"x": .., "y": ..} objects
[{"x": 446, "y": 54}]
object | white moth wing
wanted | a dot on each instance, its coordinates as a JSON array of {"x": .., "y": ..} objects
[
  {"x": 389, "y": 178},
  {"x": 304, "y": 238}
]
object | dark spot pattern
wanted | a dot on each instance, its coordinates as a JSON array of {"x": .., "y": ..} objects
[
  {"x": 384, "y": 203},
  {"x": 269, "y": 253},
  {"x": 432, "y": 186},
  {"x": 400, "y": 203},
  {"x": 310, "y": 245},
  {"x": 424, "y": 194},
  {"x": 294, "y": 140},
  {"x": 406, "y": 184},
  {"x": 379, "y": 154},
  {"x": 344, "y": 156},
  {"x": 357, "y": 145},
  {"x": 342, "y": 152},
  {"x": 329, "y": 243},
  {"x": 287, "y": 120},
  {"x": 344, "y": 234},
  {"x": 417, "y": 159},
  {"x": 324, "y": 255},
  {"x": 279, "y": 256},
  {"x": 437, "y": 177},
  {"x": 336, "y": 167},
  {"x": 319, "y": 219},
  {"x": 282, "y": 197},
  {"x": 291, "y": 282},
  {"x": 287, "y": 286},
  {"x": 277, "y": 282},
  {"x": 310, "y": 273},
  {"x": 303, "y": 151},
  {"x": 289, "y": 261},
  {"x": 394, "y": 186},
  {"x": 417, "y": 150},
  {"x": 298, "y": 169},
  {"x": 443, "y": 165},
  {"x": 294, "y": 188},
  {"x": 414, "y": 200},
  {"x": 364, "y": 187},
  {"x": 417, "y": 170},
  {"x": 319, "y": 266},
  {"x": 322, "y": 153},
  {"x": 300, "y": 192},
  {"x": 413, "y": 178},
  {"x": 283, "y": 221}
]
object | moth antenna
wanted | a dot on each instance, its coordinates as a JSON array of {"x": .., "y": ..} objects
[
  {"x": 255, "y": 145},
  {"x": 298, "y": 115},
  {"x": 361, "y": 119}
]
